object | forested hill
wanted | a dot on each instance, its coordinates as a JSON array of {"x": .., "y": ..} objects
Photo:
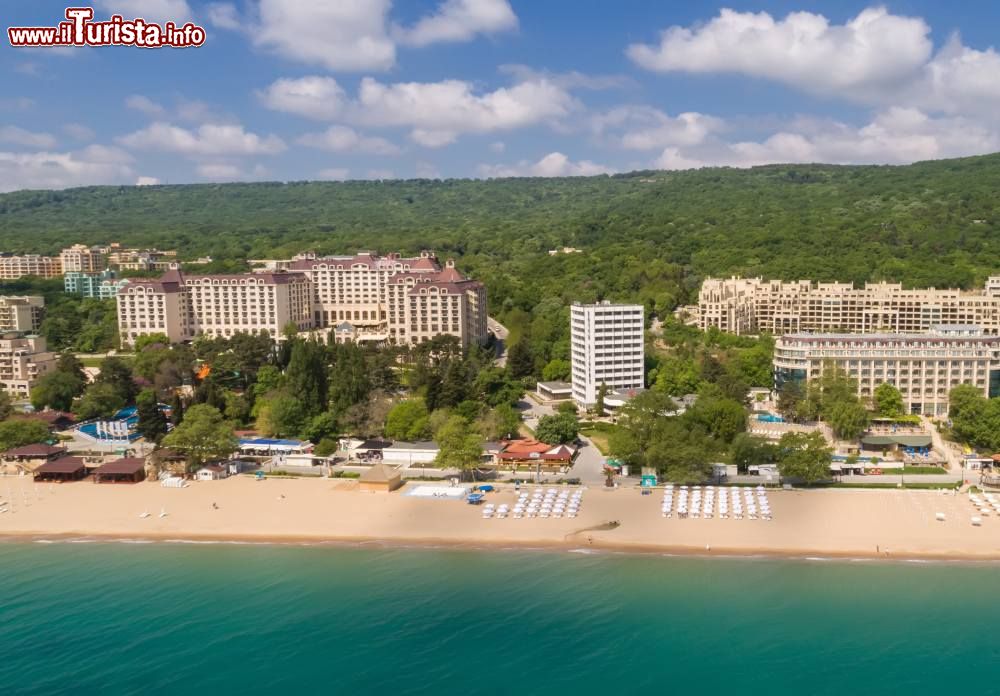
[{"x": 647, "y": 236}]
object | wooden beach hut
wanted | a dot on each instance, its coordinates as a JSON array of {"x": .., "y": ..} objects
[
  {"x": 380, "y": 478},
  {"x": 124, "y": 470},
  {"x": 30, "y": 457},
  {"x": 62, "y": 470}
]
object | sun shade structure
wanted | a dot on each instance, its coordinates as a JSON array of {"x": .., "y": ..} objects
[
  {"x": 125, "y": 470},
  {"x": 62, "y": 470}
]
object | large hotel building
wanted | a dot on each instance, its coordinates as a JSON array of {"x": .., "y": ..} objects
[
  {"x": 752, "y": 305},
  {"x": 923, "y": 367},
  {"x": 606, "y": 345},
  {"x": 364, "y": 297}
]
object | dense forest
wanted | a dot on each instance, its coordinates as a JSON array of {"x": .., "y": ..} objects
[{"x": 646, "y": 236}]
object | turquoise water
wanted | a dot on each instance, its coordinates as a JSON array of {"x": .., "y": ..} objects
[{"x": 241, "y": 619}]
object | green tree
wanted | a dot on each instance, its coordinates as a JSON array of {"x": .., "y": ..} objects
[
  {"x": 152, "y": 421},
  {"x": 961, "y": 397},
  {"x": 602, "y": 394},
  {"x": 849, "y": 420},
  {"x": 408, "y": 420},
  {"x": 99, "y": 400},
  {"x": 557, "y": 429},
  {"x": 17, "y": 432},
  {"x": 804, "y": 457},
  {"x": 460, "y": 446},
  {"x": 520, "y": 361},
  {"x": 677, "y": 376},
  {"x": 117, "y": 374},
  {"x": 888, "y": 401},
  {"x": 556, "y": 370},
  {"x": 498, "y": 423},
  {"x": 747, "y": 450},
  {"x": 6, "y": 405},
  {"x": 790, "y": 397},
  {"x": 202, "y": 436},
  {"x": 307, "y": 378},
  {"x": 55, "y": 390}
]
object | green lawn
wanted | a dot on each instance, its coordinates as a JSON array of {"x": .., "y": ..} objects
[{"x": 598, "y": 433}]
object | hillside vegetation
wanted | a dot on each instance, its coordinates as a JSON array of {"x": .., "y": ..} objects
[{"x": 644, "y": 236}]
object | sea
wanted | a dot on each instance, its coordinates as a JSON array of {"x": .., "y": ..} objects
[{"x": 191, "y": 618}]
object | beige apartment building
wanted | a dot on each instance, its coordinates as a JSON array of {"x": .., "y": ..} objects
[
  {"x": 21, "y": 313},
  {"x": 13, "y": 267},
  {"x": 81, "y": 258},
  {"x": 184, "y": 306},
  {"x": 23, "y": 359},
  {"x": 393, "y": 298},
  {"x": 752, "y": 305},
  {"x": 924, "y": 367}
]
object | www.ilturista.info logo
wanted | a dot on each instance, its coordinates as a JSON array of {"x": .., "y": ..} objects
[{"x": 81, "y": 30}]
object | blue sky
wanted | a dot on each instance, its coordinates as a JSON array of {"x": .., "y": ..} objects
[{"x": 333, "y": 89}]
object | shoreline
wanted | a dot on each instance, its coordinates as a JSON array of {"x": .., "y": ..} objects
[
  {"x": 597, "y": 548},
  {"x": 842, "y": 524}
]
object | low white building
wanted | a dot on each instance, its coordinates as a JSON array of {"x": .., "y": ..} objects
[
  {"x": 212, "y": 472},
  {"x": 410, "y": 453}
]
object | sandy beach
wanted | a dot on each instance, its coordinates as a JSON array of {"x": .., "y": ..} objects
[{"x": 896, "y": 524}]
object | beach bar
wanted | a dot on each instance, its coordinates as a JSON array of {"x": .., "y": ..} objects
[
  {"x": 124, "y": 470},
  {"x": 62, "y": 470}
]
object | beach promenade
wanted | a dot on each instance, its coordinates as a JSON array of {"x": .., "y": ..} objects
[{"x": 855, "y": 523}]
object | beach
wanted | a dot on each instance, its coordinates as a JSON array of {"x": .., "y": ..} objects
[{"x": 834, "y": 523}]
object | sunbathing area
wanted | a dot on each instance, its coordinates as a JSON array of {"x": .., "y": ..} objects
[{"x": 831, "y": 522}]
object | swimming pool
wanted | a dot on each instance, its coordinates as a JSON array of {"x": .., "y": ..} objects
[
  {"x": 127, "y": 414},
  {"x": 770, "y": 418}
]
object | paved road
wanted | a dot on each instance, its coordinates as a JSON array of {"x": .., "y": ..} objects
[
  {"x": 500, "y": 332},
  {"x": 589, "y": 463},
  {"x": 949, "y": 450}
]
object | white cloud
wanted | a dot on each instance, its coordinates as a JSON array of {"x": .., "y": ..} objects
[
  {"x": 143, "y": 104},
  {"x": 147, "y": 181},
  {"x": 567, "y": 80},
  {"x": 224, "y": 15},
  {"x": 497, "y": 147},
  {"x": 895, "y": 136},
  {"x": 344, "y": 139},
  {"x": 459, "y": 20},
  {"x": 159, "y": 11},
  {"x": 58, "y": 170},
  {"x": 440, "y": 111},
  {"x": 334, "y": 174},
  {"x": 315, "y": 97},
  {"x": 25, "y": 138},
  {"x": 553, "y": 164},
  {"x": 208, "y": 139},
  {"x": 341, "y": 35},
  {"x": 78, "y": 131},
  {"x": 426, "y": 170},
  {"x": 224, "y": 171},
  {"x": 874, "y": 49},
  {"x": 219, "y": 172},
  {"x": 436, "y": 112},
  {"x": 646, "y": 128},
  {"x": 958, "y": 79}
]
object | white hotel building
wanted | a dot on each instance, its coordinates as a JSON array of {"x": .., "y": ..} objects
[
  {"x": 924, "y": 367},
  {"x": 606, "y": 343}
]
